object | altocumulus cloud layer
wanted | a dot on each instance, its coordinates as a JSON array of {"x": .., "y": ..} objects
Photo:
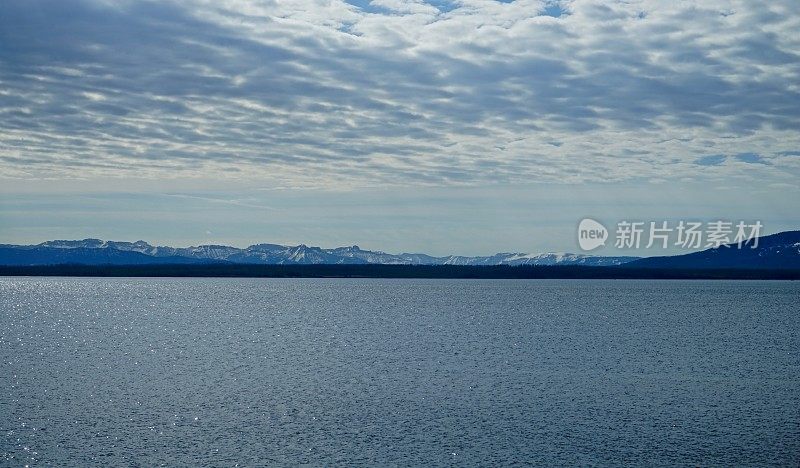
[{"x": 314, "y": 92}]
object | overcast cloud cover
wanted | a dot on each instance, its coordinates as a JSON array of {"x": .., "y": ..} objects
[{"x": 331, "y": 95}]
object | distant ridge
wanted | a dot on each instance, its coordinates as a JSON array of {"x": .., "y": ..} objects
[
  {"x": 83, "y": 256},
  {"x": 99, "y": 252},
  {"x": 776, "y": 251},
  {"x": 773, "y": 252}
]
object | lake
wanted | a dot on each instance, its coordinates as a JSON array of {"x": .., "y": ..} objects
[{"x": 175, "y": 372}]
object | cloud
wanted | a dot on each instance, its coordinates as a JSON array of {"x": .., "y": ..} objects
[{"x": 397, "y": 92}]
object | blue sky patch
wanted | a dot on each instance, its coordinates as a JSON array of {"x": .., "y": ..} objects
[
  {"x": 712, "y": 160},
  {"x": 751, "y": 158}
]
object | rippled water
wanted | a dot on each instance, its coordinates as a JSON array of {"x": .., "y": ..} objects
[{"x": 398, "y": 372}]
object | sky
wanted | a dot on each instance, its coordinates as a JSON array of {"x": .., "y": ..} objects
[{"x": 468, "y": 127}]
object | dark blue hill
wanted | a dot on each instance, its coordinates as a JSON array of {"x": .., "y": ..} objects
[
  {"x": 38, "y": 255},
  {"x": 777, "y": 251}
]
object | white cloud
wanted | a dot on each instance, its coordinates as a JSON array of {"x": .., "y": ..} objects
[{"x": 325, "y": 93}]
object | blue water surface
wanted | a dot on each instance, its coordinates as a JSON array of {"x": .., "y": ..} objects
[{"x": 220, "y": 372}]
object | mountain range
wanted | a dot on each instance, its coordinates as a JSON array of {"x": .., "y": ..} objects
[
  {"x": 777, "y": 251},
  {"x": 96, "y": 251}
]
